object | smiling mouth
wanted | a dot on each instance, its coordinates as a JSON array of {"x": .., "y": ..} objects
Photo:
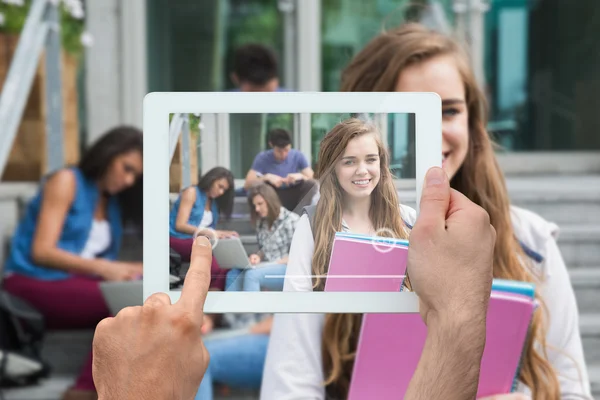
[{"x": 362, "y": 182}]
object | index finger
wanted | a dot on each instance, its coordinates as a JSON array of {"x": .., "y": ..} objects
[{"x": 197, "y": 279}]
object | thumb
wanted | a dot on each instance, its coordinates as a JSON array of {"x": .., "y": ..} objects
[{"x": 435, "y": 199}]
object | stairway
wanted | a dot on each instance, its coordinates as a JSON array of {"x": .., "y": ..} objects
[{"x": 571, "y": 202}]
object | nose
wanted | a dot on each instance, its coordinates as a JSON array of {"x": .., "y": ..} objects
[
  {"x": 129, "y": 179},
  {"x": 361, "y": 169}
]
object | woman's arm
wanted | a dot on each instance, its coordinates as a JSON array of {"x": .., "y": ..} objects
[
  {"x": 58, "y": 195},
  {"x": 293, "y": 367},
  {"x": 188, "y": 198}
]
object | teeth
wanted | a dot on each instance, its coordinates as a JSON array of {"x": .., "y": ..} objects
[{"x": 361, "y": 182}]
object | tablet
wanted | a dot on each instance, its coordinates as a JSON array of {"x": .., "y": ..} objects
[{"x": 309, "y": 122}]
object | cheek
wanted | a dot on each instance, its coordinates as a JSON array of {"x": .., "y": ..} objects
[
  {"x": 375, "y": 171},
  {"x": 456, "y": 133}
]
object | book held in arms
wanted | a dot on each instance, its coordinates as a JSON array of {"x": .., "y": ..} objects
[
  {"x": 366, "y": 264},
  {"x": 390, "y": 345}
]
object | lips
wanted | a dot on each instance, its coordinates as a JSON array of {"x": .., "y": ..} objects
[{"x": 362, "y": 182}]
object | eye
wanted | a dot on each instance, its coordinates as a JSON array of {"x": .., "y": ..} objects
[
  {"x": 450, "y": 112},
  {"x": 372, "y": 160}
]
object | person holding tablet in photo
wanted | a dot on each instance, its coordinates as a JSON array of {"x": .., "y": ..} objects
[
  {"x": 275, "y": 227},
  {"x": 357, "y": 195},
  {"x": 197, "y": 211}
]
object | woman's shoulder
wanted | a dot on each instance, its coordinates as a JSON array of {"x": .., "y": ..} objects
[
  {"x": 64, "y": 181},
  {"x": 533, "y": 232},
  {"x": 408, "y": 214},
  {"x": 287, "y": 214}
]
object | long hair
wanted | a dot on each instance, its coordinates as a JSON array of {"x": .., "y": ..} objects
[
  {"x": 95, "y": 162},
  {"x": 341, "y": 330},
  {"x": 376, "y": 68},
  {"x": 271, "y": 198},
  {"x": 225, "y": 201}
]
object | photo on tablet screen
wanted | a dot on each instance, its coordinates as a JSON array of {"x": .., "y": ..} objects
[{"x": 266, "y": 179}]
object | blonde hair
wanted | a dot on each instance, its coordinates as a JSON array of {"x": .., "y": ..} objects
[
  {"x": 376, "y": 68},
  {"x": 341, "y": 330}
]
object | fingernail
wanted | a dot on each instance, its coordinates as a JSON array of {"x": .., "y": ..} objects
[
  {"x": 435, "y": 177},
  {"x": 202, "y": 240}
]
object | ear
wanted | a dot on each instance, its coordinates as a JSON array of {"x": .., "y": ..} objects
[
  {"x": 271, "y": 145},
  {"x": 234, "y": 78}
]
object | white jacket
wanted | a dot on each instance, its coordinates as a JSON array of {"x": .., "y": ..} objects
[{"x": 293, "y": 367}]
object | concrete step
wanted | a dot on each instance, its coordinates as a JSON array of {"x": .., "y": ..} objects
[
  {"x": 586, "y": 283},
  {"x": 67, "y": 351},
  {"x": 579, "y": 245},
  {"x": 239, "y": 222},
  {"x": 589, "y": 325},
  {"x": 54, "y": 387},
  {"x": 594, "y": 373},
  {"x": 560, "y": 199}
]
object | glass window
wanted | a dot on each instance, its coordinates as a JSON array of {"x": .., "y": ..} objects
[
  {"x": 542, "y": 95},
  {"x": 191, "y": 44},
  {"x": 248, "y": 137}
]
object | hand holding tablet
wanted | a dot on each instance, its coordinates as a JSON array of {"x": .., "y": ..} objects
[{"x": 156, "y": 343}]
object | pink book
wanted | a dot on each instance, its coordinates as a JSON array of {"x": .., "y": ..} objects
[
  {"x": 361, "y": 263},
  {"x": 390, "y": 346}
]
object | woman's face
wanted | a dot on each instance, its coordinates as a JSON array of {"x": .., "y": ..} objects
[
  {"x": 358, "y": 170},
  {"x": 123, "y": 171},
  {"x": 440, "y": 75},
  {"x": 260, "y": 206},
  {"x": 218, "y": 187}
]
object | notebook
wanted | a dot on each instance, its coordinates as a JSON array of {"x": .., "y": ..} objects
[
  {"x": 390, "y": 346},
  {"x": 366, "y": 264}
]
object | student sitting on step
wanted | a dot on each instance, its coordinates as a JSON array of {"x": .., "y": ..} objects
[
  {"x": 275, "y": 227},
  {"x": 285, "y": 169},
  {"x": 70, "y": 236},
  {"x": 197, "y": 211}
]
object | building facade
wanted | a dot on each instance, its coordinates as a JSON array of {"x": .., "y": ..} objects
[{"x": 536, "y": 60}]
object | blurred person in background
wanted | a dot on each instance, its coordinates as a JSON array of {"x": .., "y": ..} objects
[
  {"x": 286, "y": 169},
  {"x": 70, "y": 237},
  {"x": 197, "y": 211},
  {"x": 255, "y": 69}
]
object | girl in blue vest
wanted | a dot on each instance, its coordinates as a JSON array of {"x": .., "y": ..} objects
[
  {"x": 197, "y": 211},
  {"x": 70, "y": 236}
]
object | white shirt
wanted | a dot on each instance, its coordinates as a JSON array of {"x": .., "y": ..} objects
[
  {"x": 98, "y": 239},
  {"x": 207, "y": 219},
  {"x": 293, "y": 367}
]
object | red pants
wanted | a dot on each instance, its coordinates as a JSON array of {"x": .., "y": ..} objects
[
  {"x": 73, "y": 303},
  {"x": 184, "y": 248}
]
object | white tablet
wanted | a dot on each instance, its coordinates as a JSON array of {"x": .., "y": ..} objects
[{"x": 309, "y": 123}]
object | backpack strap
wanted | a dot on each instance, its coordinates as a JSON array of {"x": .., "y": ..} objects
[{"x": 310, "y": 211}]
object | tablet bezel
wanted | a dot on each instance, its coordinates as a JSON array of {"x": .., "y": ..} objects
[{"x": 157, "y": 108}]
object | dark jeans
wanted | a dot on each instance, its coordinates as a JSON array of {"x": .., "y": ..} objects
[
  {"x": 73, "y": 303},
  {"x": 296, "y": 197}
]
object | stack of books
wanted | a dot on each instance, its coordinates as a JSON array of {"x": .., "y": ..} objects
[{"x": 390, "y": 345}]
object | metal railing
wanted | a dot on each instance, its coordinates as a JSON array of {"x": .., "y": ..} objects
[
  {"x": 180, "y": 125},
  {"x": 41, "y": 32}
]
